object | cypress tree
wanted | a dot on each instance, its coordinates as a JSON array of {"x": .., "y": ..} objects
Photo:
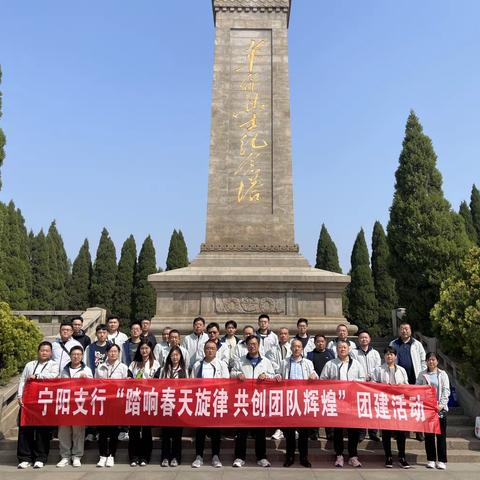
[
  {"x": 2, "y": 135},
  {"x": 466, "y": 214},
  {"x": 177, "y": 251},
  {"x": 58, "y": 268},
  {"x": 425, "y": 237},
  {"x": 41, "y": 294},
  {"x": 475, "y": 209},
  {"x": 327, "y": 255},
  {"x": 81, "y": 279},
  {"x": 4, "y": 292},
  {"x": 144, "y": 293},
  {"x": 124, "y": 283},
  {"x": 362, "y": 304},
  {"x": 104, "y": 273},
  {"x": 384, "y": 283}
]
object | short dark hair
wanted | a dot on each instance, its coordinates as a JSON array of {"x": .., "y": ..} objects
[
  {"x": 173, "y": 330},
  {"x": 75, "y": 347},
  {"x": 263, "y": 315},
  {"x": 102, "y": 326},
  {"x": 65, "y": 324},
  {"x": 302, "y": 320},
  {"x": 111, "y": 345},
  {"x": 135, "y": 322},
  {"x": 213, "y": 325},
  {"x": 390, "y": 349},
  {"x": 45, "y": 343},
  {"x": 363, "y": 331},
  {"x": 248, "y": 326},
  {"x": 431, "y": 354},
  {"x": 210, "y": 341},
  {"x": 198, "y": 319},
  {"x": 78, "y": 317},
  {"x": 113, "y": 317},
  {"x": 318, "y": 335},
  {"x": 250, "y": 338},
  {"x": 233, "y": 323}
]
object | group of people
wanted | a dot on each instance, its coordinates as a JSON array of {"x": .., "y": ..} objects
[{"x": 259, "y": 354}]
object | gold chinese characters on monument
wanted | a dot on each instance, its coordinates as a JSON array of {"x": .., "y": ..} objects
[{"x": 251, "y": 123}]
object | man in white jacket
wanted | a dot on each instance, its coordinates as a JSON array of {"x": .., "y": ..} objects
[
  {"x": 252, "y": 366},
  {"x": 195, "y": 342},
  {"x": 62, "y": 346},
  {"x": 345, "y": 368},
  {"x": 268, "y": 338},
  {"x": 210, "y": 367}
]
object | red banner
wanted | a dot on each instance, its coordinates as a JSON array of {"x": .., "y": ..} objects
[{"x": 230, "y": 403}]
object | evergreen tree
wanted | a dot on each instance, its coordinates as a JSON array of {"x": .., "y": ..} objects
[
  {"x": 81, "y": 279},
  {"x": 41, "y": 294},
  {"x": 425, "y": 237},
  {"x": 104, "y": 273},
  {"x": 124, "y": 283},
  {"x": 2, "y": 135},
  {"x": 177, "y": 251},
  {"x": 384, "y": 283},
  {"x": 58, "y": 269},
  {"x": 475, "y": 209},
  {"x": 15, "y": 257},
  {"x": 4, "y": 292},
  {"x": 327, "y": 255},
  {"x": 362, "y": 304},
  {"x": 466, "y": 214},
  {"x": 144, "y": 293}
]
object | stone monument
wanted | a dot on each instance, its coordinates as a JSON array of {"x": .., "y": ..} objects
[{"x": 249, "y": 263}]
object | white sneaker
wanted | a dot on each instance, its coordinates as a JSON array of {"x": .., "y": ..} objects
[
  {"x": 264, "y": 463},
  {"x": 133, "y": 464},
  {"x": 198, "y": 462},
  {"x": 164, "y": 463},
  {"x": 102, "y": 462},
  {"x": 143, "y": 463},
  {"x": 354, "y": 462},
  {"x": 38, "y": 464},
  {"x": 430, "y": 464},
  {"x": 238, "y": 463},
  {"x": 63, "y": 462},
  {"x": 216, "y": 463},
  {"x": 441, "y": 465},
  {"x": 278, "y": 435},
  {"x": 110, "y": 461},
  {"x": 339, "y": 461},
  {"x": 76, "y": 462},
  {"x": 174, "y": 462},
  {"x": 24, "y": 465},
  {"x": 123, "y": 436},
  {"x": 90, "y": 437}
]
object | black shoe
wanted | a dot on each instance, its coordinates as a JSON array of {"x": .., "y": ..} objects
[
  {"x": 420, "y": 436},
  {"x": 330, "y": 436},
  {"x": 388, "y": 462},
  {"x": 314, "y": 437},
  {"x": 305, "y": 463},
  {"x": 375, "y": 438},
  {"x": 403, "y": 463},
  {"x": 361, "y": 438},
  {"x": 288, "y": 462}
]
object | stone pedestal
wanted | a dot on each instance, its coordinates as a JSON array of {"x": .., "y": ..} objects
[{"x": 249, "y": 263}]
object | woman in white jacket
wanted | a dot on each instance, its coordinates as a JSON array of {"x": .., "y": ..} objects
[
  {"x": 108, "y": 436},
  {"x": 34, "y": 442},
  {"x": 439, "y": 379}
]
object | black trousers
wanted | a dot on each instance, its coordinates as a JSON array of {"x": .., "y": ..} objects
[
  {"x": 302, "y": 442},
  {"x": 33, "y": 444},
  {"x": 107, "y": 441},
  {"x": 353, "y": 435},
  {"x": 140, "y": 444},
  {"x": 387, "y": 442},
  {"x": 172, "y": 443},
  {"x": 214, "y": 434},
  {"x": 260, "y": 443},
  {"x": 440, "y": 452}
]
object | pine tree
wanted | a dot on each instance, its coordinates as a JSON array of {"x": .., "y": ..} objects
[
  {"x": 425, "y": 237},
  {"x": 384, "y": 283},
  {"x": 124, "y": 283},
  {"x": 362, "y": 304},
  {"x": 475, "y": 209},
  {"x": 41, "y": 294},
  {"x": 15, "y": 269},
  {"x": 177, "y": 251},
  {"x": 81, "y": 279},
  {"x": 2, "y": 135},
  {"x": 58, "y": 269},
  {"x": 144, "y": 293},
  {"x": 327, "y": 255},
  {"x": 4, "y": 292},
  {"x": 466, "y": 214},
  {"x": 104, "y": 273}
]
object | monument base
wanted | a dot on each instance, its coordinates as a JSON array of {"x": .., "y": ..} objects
[{"x": 221, "y": 286}]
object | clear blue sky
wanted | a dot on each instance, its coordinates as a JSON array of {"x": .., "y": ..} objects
[{"x": 107, "y": 112}]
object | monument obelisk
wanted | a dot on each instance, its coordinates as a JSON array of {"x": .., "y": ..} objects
[{"x": 249, "y": 263}]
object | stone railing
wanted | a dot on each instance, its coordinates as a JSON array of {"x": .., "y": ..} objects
[
  {"x": 468, "y": 395},
  {"x": 8, "y": 406}
]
